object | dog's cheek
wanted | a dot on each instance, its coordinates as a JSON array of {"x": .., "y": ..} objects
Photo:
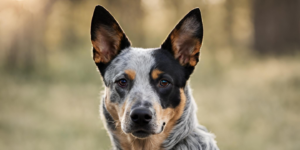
[
  {"x": 162, "y": 115},
  {"x": 171, "y": 115},
  {"x": 119, "y": 114},
  {"x": 180, "y": 108},
  {"x": 112, "y": 110},
  {"x": 110, "y": 106},
  {"x": 123, "y": 111}
]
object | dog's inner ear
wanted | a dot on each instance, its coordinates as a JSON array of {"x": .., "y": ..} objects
[
  {"x": 185, "y": 40},
  {"x": 107, "y": 37}
]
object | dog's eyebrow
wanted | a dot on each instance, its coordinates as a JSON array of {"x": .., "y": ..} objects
[
  {"x": 155, "y": 73},
  {"x": 119, "y": 76},
  {"x": 130, "y": 73}
]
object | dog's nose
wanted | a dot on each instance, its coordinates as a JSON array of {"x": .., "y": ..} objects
[{"x": 141, "y": 116}]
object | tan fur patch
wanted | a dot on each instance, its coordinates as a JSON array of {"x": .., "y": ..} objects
[
  {"x": 178, "y": 111},
  {"x": 175, "y": 48},
  {"x": 155, "y": 73},
  {"x": 193, "y": 61},
  {"x": 130, "y": 73},
  {"x": 184, "y": 44},
  {"x": 97, "y": 54},
  {"x": 111, "y": 107}
]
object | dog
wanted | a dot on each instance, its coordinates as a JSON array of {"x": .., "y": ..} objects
[{"x": 147, "y": 102}]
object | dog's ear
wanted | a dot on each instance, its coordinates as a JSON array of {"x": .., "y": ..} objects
[
  {"x": 185, "y": 40},
  {"x": 107, "y": 37}
]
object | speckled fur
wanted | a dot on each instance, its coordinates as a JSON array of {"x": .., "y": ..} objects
[{"x": 173, "y": 124}]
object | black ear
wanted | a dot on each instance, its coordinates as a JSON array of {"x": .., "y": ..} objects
[
  {"x": 185, "y": 40},
  {"x": 107, "y": 37}
]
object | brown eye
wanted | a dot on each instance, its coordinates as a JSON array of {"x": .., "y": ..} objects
[
  {"x": 122, "y": 83},
  {"x": 163, "y": 83}
]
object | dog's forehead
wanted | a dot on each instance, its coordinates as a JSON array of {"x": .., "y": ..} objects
[{"x": 138, "y": 60}]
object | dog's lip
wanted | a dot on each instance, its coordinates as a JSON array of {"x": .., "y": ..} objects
[
  {"x": 144, "y": 132},
  {"x": 141, "y": 133}
]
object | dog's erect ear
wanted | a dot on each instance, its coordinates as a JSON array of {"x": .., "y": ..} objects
[
  {"x": 185, "y": 40},
  {"x": 107, "y": 37}
]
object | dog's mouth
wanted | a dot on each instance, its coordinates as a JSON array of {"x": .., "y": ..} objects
[{"x": 141, "y": 134}]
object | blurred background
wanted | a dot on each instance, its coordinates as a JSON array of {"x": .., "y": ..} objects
[{"x": 247, "y": 84}]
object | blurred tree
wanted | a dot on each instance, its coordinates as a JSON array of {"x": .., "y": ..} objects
[
  {"x": 277, "y": 26},
  {"x": 28, "y": 47},
  {"x": 229, "y": 4}
]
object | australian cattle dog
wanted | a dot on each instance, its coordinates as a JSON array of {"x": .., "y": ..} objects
[{"x": 147, "y": 102}]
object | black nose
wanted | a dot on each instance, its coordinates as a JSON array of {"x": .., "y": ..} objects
[{"x": 141, "y": 116}]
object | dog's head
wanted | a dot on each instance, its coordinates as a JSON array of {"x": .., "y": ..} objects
[{"x": 145, "y": 87}]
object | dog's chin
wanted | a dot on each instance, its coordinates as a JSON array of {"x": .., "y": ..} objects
[{"x": 141, "y": 134}]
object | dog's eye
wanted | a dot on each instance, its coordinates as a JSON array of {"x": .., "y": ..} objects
[
  {"x": 163, "y": 83},
  {"x": 122, "y": 83}
]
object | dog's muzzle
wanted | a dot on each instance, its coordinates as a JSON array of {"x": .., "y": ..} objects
[{"x": 141, "y": 118}]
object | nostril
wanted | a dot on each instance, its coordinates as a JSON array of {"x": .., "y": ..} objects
[
  {"x": 134, "y": 117},
  {"x": 147, "y": 118}
]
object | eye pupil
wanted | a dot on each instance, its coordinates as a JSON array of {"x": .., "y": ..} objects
[
  {"x": 164, "y": 83},
  {"x": 122, "y": 82}
]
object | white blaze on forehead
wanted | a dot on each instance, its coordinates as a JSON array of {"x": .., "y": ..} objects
[{"x": 139, "y": 60}]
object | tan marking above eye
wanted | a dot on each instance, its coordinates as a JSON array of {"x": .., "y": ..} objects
[
  {"x": 130, "y": 73},
  {"x": 155, "y": 73}
]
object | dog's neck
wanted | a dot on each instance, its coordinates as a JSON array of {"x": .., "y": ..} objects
[{"x": 172, "y": 134}]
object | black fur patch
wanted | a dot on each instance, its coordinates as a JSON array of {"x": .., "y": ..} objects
[{"x": 173, "y": 72}]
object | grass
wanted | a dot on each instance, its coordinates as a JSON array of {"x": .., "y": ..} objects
[{"x": 248, "y": 103}]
